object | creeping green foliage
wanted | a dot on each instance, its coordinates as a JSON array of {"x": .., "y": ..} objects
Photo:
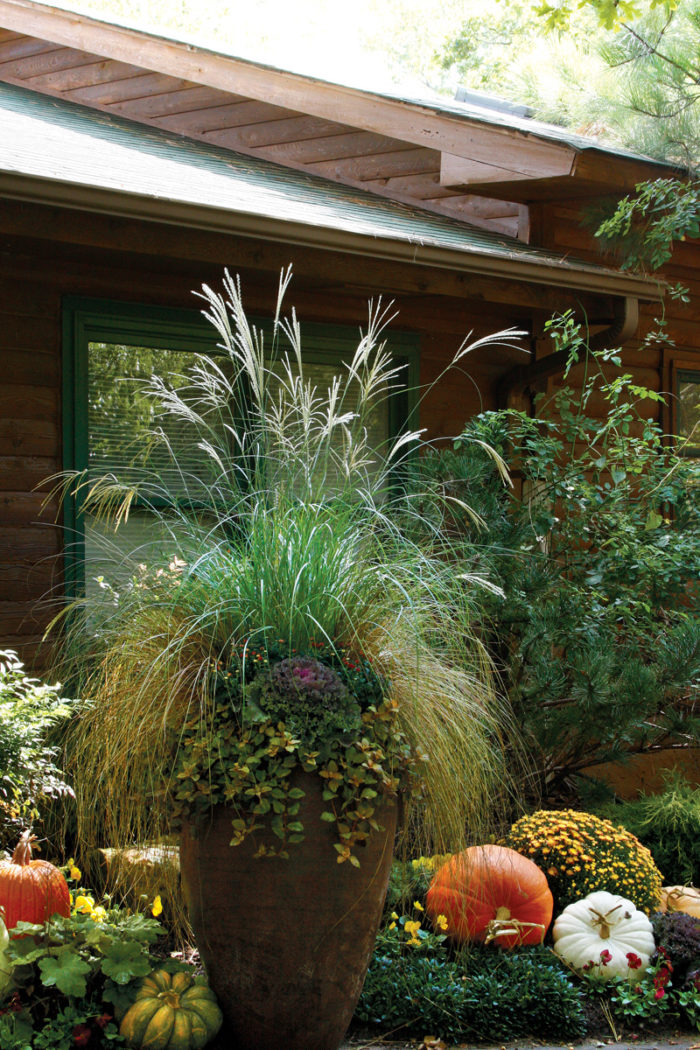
[
  {"x": 252, "y": 767},
  {"x": 413, "y": 983},
  {"x": 72, "y": 976}
]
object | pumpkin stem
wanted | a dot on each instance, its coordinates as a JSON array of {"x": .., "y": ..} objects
[
  {"x": 510, "y": 928},
  {"x": 22, "y": 854}
]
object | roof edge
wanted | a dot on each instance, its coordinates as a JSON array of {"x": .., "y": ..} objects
[
  {"x": 416, "y": 121},
  {"x": 203, "y": 217}
]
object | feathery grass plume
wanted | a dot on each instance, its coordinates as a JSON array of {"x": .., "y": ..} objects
[{"x": 295, "y": 530}]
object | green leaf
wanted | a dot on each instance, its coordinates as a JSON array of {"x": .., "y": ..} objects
[
  {"x": 124, "y": 961},
  {"x": 327, "y": 816},
  {"x": 65, "y": 971},
  {"x": 653, "y": 521}
]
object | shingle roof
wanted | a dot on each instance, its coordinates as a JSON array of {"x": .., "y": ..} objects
[{"x": 46, "y": 141}]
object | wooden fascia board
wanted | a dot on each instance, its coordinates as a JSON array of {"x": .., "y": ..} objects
[
  {"x": 539, "y": 175},
  {"x": 405, "y": 121},
  {"x": 83, "y": 197},
  {"x": 533, "y": 159}
]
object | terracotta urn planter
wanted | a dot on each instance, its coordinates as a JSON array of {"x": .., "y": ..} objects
[{"x": 286, "y": 942}]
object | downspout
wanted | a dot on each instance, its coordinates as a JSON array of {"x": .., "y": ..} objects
[{"x": 523, "y": 377}]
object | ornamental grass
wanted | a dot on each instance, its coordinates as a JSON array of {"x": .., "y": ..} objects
[
  {"x": 301, "y": 535},
  {"x": 580, "y": 853}
]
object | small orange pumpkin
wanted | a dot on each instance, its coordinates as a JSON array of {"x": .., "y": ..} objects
[
  {"x": 492, "y": 893},
  {"x": 31, "y": 890}
]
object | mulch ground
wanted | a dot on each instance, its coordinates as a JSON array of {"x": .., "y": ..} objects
[{"x": 667, "y": 1040}]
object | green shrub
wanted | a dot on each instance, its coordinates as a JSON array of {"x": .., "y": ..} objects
[
  {"x": 580, "y": 853},
  {"x": 414, "y": 984},
  {"x": 512, "y": 994},
  {"x": 669, "y": 825},
  {"x": 29, "y": 775},
  {"x": 594, "y": 630}
]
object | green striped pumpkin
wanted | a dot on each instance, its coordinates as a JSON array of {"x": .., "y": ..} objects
[{"x": 171, "y": 1012}]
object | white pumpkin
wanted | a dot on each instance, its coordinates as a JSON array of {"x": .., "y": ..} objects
[
  {"x": 5, "y": 967},
  {"x": 600, "y": 923}
]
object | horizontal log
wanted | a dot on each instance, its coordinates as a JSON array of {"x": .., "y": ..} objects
[
  {"x": 29, "y": 367},
  {"x": 29, "y": 297},
  {"x": 19, "y": 619},
  {"x": 26, "y": 473},
  {"x": 118, "y": 81},
  {"x": 28, "y": 437},
  {"x": 27, "y": 508},
  {"x": 45, "y": 63},
  {"x": 23, "y": 47},
  {"x": 179, "y": 99},
  {"x": 255, "y": 260},
  {"x": 41, "y": 582},
  {"x": 31, "y": 649},
  {"x": 29, "y": 544},
  {"x": 28, "y": 402},
  {"x": 18, "y": 332},
  {"x": 406, "y": 161}
]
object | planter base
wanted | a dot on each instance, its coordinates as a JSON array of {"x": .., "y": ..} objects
[{"x": 286, "y": 943}]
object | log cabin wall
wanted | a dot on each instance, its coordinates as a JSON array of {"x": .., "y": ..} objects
[
  {"x": 562, "y": 227},
  {"x": 47, "y": 253}
]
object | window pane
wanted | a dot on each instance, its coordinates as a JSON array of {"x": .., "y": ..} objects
[
  {"x": 122, "y": 417},
  {"x": 689, "y": 411}
]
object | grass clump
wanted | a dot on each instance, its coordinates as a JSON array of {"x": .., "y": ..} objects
[{"x": 294, "y": 537}]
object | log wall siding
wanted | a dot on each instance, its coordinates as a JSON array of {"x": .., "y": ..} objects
[
  {"x": 563, "y": 228},
  {"x": 62, "y": 254}
]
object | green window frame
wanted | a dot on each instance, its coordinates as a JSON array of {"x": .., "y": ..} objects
[
  {"x": 686, "y": 380},
  {"x": 87, "y": 321}
]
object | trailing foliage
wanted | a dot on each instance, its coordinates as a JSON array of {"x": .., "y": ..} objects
[
  {"x": 595, "y": 628},
  {"x": 246, "y": 758},
  {"x": 669, "y": 825},
  {"x": 580, "y": 853},
  {"x": 29, "y": 775}
]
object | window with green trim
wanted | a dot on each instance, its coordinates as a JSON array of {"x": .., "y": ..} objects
[
  {"x": 688, "y": 410},
  {"x": 108, "y": 349}
]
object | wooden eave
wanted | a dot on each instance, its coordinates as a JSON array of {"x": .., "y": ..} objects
[
  {"x": 63, "y": 155},
  {"x": 390, "y": 147}
]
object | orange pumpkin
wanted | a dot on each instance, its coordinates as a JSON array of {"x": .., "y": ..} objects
[
  {"x": 491, "y": 893},
  {"x": 681, "y": 898},
  {"x": 31, "y": 890}
]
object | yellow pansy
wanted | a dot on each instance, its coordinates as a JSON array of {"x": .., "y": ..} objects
[
  {"x": 441, "y": 922},
  {"x": 74, "y": 872},
  {"x": 157, "y": 907}
]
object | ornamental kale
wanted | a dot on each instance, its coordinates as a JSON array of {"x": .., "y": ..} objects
[{"x": 310, "y": 699}]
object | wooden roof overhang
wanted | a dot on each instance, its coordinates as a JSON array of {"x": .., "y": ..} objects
[
  {"x": 65, "y": 155},
  {"x": 445, "y": 159}
]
